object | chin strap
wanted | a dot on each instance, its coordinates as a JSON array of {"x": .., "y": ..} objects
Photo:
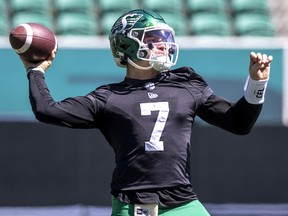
[{"x": 138, "y": 66}]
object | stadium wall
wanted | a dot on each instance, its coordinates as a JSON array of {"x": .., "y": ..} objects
[
  {"x": 43, "y": 165},
  {"x": 48, "y": 165}
]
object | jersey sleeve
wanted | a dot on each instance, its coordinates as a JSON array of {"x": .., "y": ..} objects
[
  {"x": 238, "y": 118},
  {"x": 74, "y": 112}
]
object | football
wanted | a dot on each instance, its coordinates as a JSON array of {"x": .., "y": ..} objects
[{"x": 32, "y": 41}]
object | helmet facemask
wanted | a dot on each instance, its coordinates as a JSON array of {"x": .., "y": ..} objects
[
  {"x": 157, "y": 46},
  {"x": 142, "y": 35}
]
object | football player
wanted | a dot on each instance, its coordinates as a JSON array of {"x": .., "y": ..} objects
[{"x": 148, "y": 117}]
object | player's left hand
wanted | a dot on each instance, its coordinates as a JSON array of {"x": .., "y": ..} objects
[{"x": 259, "y": 67}]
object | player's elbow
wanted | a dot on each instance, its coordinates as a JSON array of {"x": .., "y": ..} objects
[
  {"x": 242, "y": 131},
  {"x": 40, "y": 116}
]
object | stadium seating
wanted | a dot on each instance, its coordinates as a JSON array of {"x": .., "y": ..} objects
[
  {"x": 110, "y": 10},
  {"x": 3, "y": 7},
  {"x": 106, "y": 6},
  {"x": 107, "y": 21},
  {"x": 256, "y": 6},
  {"x": 210, "y": 24},
  {"x": 4, "y": 27},
  {"x": 38, "y": 11},
  {"x": 4, "y": 22},
  {"x": 173, "y": 12},
  {"x": 26, "y": 17},
  {"x": 36, "y": 6},
  {"x": 177, "y": 21},
  {"x": 251, "y": 24},
  {"x": 173, "y": 6},
  {"x": 187, "y": 17},
  {"x": 215, "y": 6},
  {"x": 74, "y": 17},
  {"x": 80, "y": 6},
  {"x": 76, "y": 24}
]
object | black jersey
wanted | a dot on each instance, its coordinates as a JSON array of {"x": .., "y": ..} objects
[{"x": 148, "y": 123}]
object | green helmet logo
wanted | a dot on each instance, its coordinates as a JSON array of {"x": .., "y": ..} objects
[
  {"x": 125, "y": 23},
  {"x": 127, "y": 40}
]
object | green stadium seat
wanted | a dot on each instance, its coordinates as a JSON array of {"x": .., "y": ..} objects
[
  {"x": 4, "y": 27},
  {"x": 217, "y": 6},
  {"x": 107, "y": 21},
  {"x": 240, "y": 6},
  {"x": 26, "y": 17},
  {"x": 205, "y": 24},
  {"x": 3, "y": 11},
  {"x": 81, "y": 6},
  {"x": 251, "y": 24},
  {"x": 76, "y": 24},
  {"x": 121, "y": 6},
  {"x": 177, "y": 21},
  {"x": 36, "y": 6},
  {"x": 3, "y": 6},
  {"x": 173, "y": 6},
  {"x": 4, "y": 19}
]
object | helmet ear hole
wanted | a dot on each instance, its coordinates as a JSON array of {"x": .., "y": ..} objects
[
  {"x": 126, "y": 49},
  {"x": 125, "y": 46},
  {"x": 122, "y": 62}
]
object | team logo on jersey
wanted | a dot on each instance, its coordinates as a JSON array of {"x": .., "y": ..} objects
[
  {"x": 149, "y": 85},
  {"x": 152, "y": 95}
]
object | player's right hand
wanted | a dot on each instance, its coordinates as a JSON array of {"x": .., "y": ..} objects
[
  {"x": 260, "y": 66},
  {"x": 41, "y": 66}
]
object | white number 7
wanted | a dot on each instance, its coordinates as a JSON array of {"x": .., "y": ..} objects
[{"x": 154, "y": 144}]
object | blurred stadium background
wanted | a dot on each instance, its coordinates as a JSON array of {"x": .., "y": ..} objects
[
  {"x": 188, "y": 17},
  {"x": 47, "y": 170}
]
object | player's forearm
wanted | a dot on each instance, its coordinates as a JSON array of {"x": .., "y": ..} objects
[
  {"x": 77, "y": 112},
  {"x": 39, "y": 94},
  {"x": 246, "y": 115},
  {"x": 238, "y": 118}
]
